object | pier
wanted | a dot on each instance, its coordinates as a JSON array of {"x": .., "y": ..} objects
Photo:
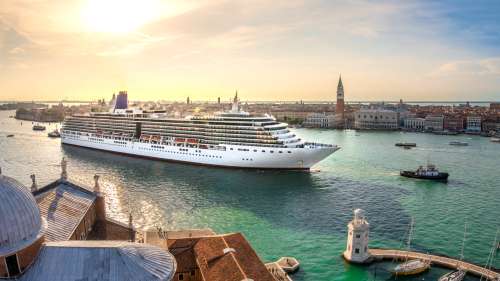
[{"x": 386, "y": 254}]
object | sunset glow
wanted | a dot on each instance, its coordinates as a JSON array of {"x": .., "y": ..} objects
[
  {"x": 278, "y": 50},
  {"x": 118, "y": 16}
]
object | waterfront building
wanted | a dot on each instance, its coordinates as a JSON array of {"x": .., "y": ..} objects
[
  {"x": 495, "y": 106},
  {"x": 491, "y": 125},
  {"x": 357, "y": 238},
  {"x": 339, "y": 107},
  {"x": 434, "y": 123},
  {"x": 414, "y": 124},
  {"x": 453, "y": 123},
  {"x": 473, "y": 124},
  {"x": 376, "y": 119},
  {"x": 320, "y": 120}
]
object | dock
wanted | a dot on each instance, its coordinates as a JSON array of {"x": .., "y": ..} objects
[{"x": 387, "y": 254}]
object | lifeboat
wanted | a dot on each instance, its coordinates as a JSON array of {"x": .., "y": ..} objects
[
  {"x": 288, "y": 264},
  {"x": 180, "y": 140},
  {"x": 193, "y": 141}
]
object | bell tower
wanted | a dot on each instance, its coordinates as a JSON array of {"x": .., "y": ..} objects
[
  {"x": 339, "y": 107},
  {"x": 357, "y": 238}
]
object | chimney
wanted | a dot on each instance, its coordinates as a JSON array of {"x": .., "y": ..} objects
[{"x": 34, "y": 186}]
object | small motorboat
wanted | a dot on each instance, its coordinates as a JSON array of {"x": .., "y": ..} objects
[
  {"x": 288, "y": 264},
  {"x": 428, "y": 173},
  {"x": 459, "y": 143},
  {"x": 457, "y": 275},
  {"x": 493, "y": 139},
  {"x": 38, "y": 127},
  {"x": 411, "y": 267},
  {"x": 10, "y": 136},
  {"x": 54, "y": 134},
  {"x": 406, "y": 144}
]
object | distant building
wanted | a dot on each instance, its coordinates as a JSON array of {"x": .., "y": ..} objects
[
  {"x": 319, "y": 120},
  {"x": 453, "y": 123},
  {"x": 473, "y": 124},
  {"x": 339, "y": 107},
  {"x": 495, "y": 106},
  {"x": 434, "y": 123},
  {"x": 376, "y": 119},
  {"x": 491, "y": 125},
  {"x": 414, "y": 124}
]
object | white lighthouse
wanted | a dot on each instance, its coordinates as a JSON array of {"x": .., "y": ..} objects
[{"x": 357, "y": 238}]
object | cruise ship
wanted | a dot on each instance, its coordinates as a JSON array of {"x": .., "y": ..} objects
[{"x": 233, "y": 138}]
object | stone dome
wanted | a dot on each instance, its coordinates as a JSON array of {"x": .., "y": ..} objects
[{"x": 20, "y": 221}]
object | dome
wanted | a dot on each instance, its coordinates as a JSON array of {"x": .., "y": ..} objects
[{"x": 20, "y": 221}]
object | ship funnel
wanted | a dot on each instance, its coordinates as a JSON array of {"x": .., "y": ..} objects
[{"x": 121, "y": 100}]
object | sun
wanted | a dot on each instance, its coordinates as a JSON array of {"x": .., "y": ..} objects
[{"x": 118, "y": 16}]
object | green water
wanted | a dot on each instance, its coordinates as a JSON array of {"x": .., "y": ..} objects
[{"x": 296, "y": 213}]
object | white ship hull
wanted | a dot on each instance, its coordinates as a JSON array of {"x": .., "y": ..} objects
[{"x": 237, "y": 156}]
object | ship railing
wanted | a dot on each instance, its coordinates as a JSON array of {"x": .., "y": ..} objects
[{"x": 318, "y": 145}]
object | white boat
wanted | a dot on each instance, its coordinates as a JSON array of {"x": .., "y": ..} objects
[
  {"x": 414, "y": 266},
  {"x": 54, "y": 134},
  {"x": 288, "y": 264},
  {"x": 459, "y": 143},
  {"x": 457, "y": 275},
  {"x": 233, "y": 138},
  {"x": 411, "y": 267},
  {"x": 494, "y": 139}
]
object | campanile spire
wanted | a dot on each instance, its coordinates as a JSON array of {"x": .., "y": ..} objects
[{"x": 339, "y": 108}]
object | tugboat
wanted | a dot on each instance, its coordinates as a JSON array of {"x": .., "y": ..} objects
[
  {"x": 38, "y": 127},
  {"x": 406, "y": 144},
  {"x": 459, "y": 143},
  {"x": 428, "y": 173},
  {"x": 54, "y": 134}
]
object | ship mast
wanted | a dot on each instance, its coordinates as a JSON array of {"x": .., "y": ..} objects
[
  {"x": 463, "y": 243},
  {"x": 410, "y": 234}
]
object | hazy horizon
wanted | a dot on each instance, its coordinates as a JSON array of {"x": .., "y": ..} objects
[{"x": 281, "y": 51}]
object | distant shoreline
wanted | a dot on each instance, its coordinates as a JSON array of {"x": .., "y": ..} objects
[{"x": 284, "y": 102}]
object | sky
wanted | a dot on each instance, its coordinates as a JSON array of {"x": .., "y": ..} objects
[{"x": 267, "y": 50}]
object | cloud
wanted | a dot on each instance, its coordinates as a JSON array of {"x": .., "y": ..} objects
[{"x": 486, "y": 66}]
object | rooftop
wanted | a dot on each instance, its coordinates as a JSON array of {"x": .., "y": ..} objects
[
  {"x": 227, "y": 257},
  {"x": 101, "y": 260},
  {"x": 63, "y": 205}
]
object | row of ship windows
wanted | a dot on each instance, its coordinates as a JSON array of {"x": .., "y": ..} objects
[
  {"x": 246, "y": 123},
  {"x": 162, "y": 147},
  {"x": 185, "y": 153},
  {"x": 255, "y": 150}
]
